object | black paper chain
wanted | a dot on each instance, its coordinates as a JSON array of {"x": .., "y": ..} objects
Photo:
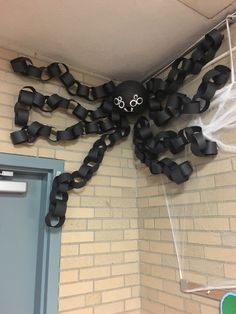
[
  {"x": 182, "y": 67},
  {"x": 178, "y": 103},
  {"x": 102, "y": 120},
  {"x": 148, "y": 148},
  {"x": 114, "y": 126},
  {"x": 77, "y": 179},
  {"x": 24, "y": 66}
]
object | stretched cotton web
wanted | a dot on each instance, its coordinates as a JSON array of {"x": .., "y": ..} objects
[{"x": 202, "y": 211}]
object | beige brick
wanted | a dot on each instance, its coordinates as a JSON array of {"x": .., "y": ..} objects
[
  {"x": 76, "y": 262},
  {"x": 128, "y": 268},
  {"x": 22, "y": 149},
  {"x": 151, "y": 282},
  {"x": 109, "y": 235},
  {"x": 115, "y": 224},
  {"x": 133, "y": 304},
  {"x": 135, "y": 291},
  {"x": 124, "y": 246},
  {"x": 93, "y": 298},
  {"x": 99, "y": 180},
  {"x": 168, "y": 299},
  {"x": 131, "y": 257},
  {"x": 214, "y": 224},
  {"x": 80, "y": 212},
  {"x": 76, "y": 237},
  {"x": 123, "y": 182},
  {"x": 210, "y": 238},
  {"x": 116, "y": 295},
  {"x": 221, "y": 254},
  {"x": 229, "y": 239},
  {"x": 157, "y": 201},
  {"x": 192, "y": 307},
  {"x": 103, "y": 212},
  {"x": 187, "y": 224},
  {"x": 71, "y": 303},
  {"x": 150, "y": 234},
  {"x": 214, "y": 167},
  {"x": 160, "y": 247},
  {"x": 200, "y": 183},
  {"x": 233, "y": 224},
  {"x": 67, "y": 290},
  {"x": 163, "y": 272},
  {"x": 109, "y": 259},
  {"x": 94, "y": 248},
  {"x": 6, "y": 124},
  {"x": 210, "y": 267},
  {"x": 152, "y": 307},
  {"x": 185, "y": 198},
  {"x": 219, "y": 195},
  {"x": 87, "y": 310},
  {"x": 63, "y": 154},
  {"x": 148, "y": 191},
  {"x": 110, "y": 171},
  {"x": 110, "y": 283},
  {"x": 112, "y": 308},
  {"x": 95, "y": 272},
  {"x": 209, "y": 310},
  {"x": 68, "y": 276},
  {"x": 133, "y": 223},
  {"x": 95, "y": 224},
  {"x": 230, "y": 270},
  {"x": 108, "y": 191},
  {"x": 227, "y": 209},
  {"x": 94, "y": 201},
  {"x": 45, "y": 152},
  {"x": 74, "y": 225},
  {"x": 74, "y": 200},
  {"x": 131, "y": 280},
  {"x": 172, "y": 311},
  {"x": 225, "y": 179},
  {"x": 123, "y": 202},
  {"x": 69, "y": 250},
  {"x": 131, "y": 234},
  {"x": 149, "y": 223},
  {"x": 152, "y": 258}
]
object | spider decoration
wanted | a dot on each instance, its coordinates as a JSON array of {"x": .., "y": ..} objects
[{"x": 158, "y": 98}]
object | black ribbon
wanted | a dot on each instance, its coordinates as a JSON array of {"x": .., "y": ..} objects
[
  {"x": 178, "y": 103},
  {"x": 24, "y": 66},
  {"x": 78, "y": 179},
  {"x": 113, "y": 126},
  {"x": 149, "y": 147},
  {"x": 103, "y": 119},
  {"x": 182, "y": 67}
]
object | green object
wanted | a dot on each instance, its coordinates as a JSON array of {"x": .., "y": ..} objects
[{"x": 228, "y": 303}]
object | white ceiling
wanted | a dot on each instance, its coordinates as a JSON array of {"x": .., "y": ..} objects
[{"x": 125, "y": 39}]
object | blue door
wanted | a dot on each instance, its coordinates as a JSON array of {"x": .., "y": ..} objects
[{"x": 29, "y": 251}]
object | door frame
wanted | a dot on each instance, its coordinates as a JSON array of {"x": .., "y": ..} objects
[{"x": 47, "y": 292}]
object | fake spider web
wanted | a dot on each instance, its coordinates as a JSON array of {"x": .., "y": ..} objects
[{"x": 202, "y": 211}]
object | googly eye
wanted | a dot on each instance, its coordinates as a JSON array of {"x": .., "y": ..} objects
[
  {"x": 135, "y": 96},
  {"x": 116, "y": 101},
  {"x": 133, "y": 103},
  {"x": 139, "y": 100},
  {"x": 121, "y": 104}
]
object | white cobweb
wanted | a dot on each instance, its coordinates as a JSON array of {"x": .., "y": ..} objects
[{"x": 202, "y": 211}]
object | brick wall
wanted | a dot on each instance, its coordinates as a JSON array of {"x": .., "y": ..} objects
[
  {"x": 99, "y": 251},
  {"x": 203, "y": 216},
  {"x": 117, "y": 250}
]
